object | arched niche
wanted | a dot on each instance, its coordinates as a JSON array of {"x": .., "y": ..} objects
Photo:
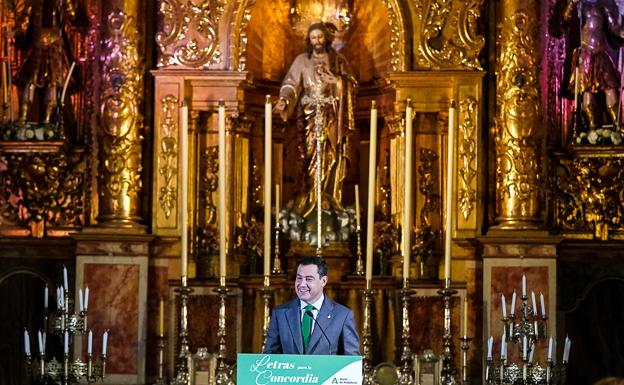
[{"x": 269, "y": 40}]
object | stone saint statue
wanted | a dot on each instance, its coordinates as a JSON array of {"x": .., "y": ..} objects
[
  {"x": 39, "y": 37},
  {"x": 593, "y": 69},
  {"x": 318, "y": 90}
]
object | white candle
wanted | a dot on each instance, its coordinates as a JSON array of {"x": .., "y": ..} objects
[
  {"x": 504, "y": 346},
  {"x": 524, "y": 347},
  {"x": 550, "y": 348},
  {"x": 504, "y": 306},
  {"x": 80, "y": 300},
  {"x": 40, "y": 338},
  {"x": 184, "y": 180},
  {"x": 268, "y": 151},
  {"x": 449, "y": 193},
  {"x": 90, "y": 343},
  {"x": 277, "y": 203},
  {"x": 407, "y": 196},
  {"x": 490, "y": 344},
  {"x": 512, "y": 311},
  {"x": 65, "y": 285},
  {"x": 536, "y": 329},
  {"x": 44, "y": 341},
  {"x": 531, "y": 354},
  {"x": 222, "y": 197},
  {"x": 534, "y": 302},
  {"x": 104, "y": 342},
  {"x": 566, "y": 349},
  {"x": 45, "y": 297},
  {"x": 523, "y": 286},
  {"x": 543, "y": 305},
  {"x": 357, "y": 206},
  {"x": 370, "y": 214},
  {"x": 62, "y": 300},
  {"x": 161, "y": 317},
  {"x": 66, "y": 342},
  {"x": 26, "y": 342},
  {"x": 465, "y": 318},
  {"x": 58, "y": 297},
  {"x": 86, "y": 304}
]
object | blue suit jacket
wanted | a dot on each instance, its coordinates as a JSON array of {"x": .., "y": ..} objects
[{"x": 284, "y": 334}]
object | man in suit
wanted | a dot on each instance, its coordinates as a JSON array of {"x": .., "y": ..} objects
[{"x": 293, "y": 330}]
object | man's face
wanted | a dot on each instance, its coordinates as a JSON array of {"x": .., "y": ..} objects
[
  {"x": 308, "y": 284},
  {"x": 317, "y": 39}
]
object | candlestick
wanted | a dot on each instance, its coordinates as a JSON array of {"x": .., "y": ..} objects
[
  {"x": 357, "y": 206},
  {"x": 161, "y": 317},
  {"x": 26, "y": 342},
  {"x": 449, "y": 193},
  {"x": 184, "y": 157},
  {"x": 543, "y": 305},
  {"x": 370, "y": 215},
  {"x": 268, "y": 147},
  {"x": 222, "y": 197},
  {"x": 45, "y": 297},
  {"x": 407, "y": 195}
]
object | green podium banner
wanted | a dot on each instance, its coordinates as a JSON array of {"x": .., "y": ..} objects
[{"x": 273, "y": 369}]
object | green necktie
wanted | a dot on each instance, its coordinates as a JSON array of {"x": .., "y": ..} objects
[{"x": 306, "y": 327}]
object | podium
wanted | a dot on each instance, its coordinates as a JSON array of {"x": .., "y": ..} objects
[{"x": 273, "y": 369}]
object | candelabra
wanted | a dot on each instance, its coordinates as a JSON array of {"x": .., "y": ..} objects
[
  {"x": 161, "y": 361},
  {"x": 367, "y": 336},
  {"x": 277, "y": 264},
  {"x": 525, "y": 330},
  {"x": 65, "y": 324},
  {"x": 266, "y": 294},
  {"x": 183, "y": 369}
]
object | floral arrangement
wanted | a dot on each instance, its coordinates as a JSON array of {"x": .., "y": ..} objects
[{"x": 600, "y": 136}]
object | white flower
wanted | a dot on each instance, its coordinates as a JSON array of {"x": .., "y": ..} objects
[
  {"x": 616, "y": 137},
  {"x": 592, "y": 137}
]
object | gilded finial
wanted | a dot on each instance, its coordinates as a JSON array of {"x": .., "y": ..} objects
[{"x": 268, "y": 99}]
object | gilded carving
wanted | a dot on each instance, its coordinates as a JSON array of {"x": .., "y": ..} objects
[
  {"x": 242, "y": 19},
  {"x": 43, "y": 191},
  {"x": 518, "y": 145},
  {"x": 209, "y": 182},
  {"x": 425, "y": 237},
  {"x": 397, "y": 36},
  {"x": 189, "y": 33},
  {"x": 167, "y": 166},
  {"x": 467, "y": 145},
  {"x": 446, "y": 35},
  {"x": 121, "y": 122}
]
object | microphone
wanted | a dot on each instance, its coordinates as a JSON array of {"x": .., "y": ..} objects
[{"x": 311, "y": 315}]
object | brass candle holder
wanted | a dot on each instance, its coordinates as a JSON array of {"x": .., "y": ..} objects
[
  {"x": 367, "y": 337},
  {"x": 182, "y": 369},
  {"x": 359, "y": 263},
  {"x": 266, "y": 319},
  {"x": 277, "y": 264},
  {"x": 223, "y": 374},
  {"x": 406, "y": 371},
  {"x": 448, "y": 364}
]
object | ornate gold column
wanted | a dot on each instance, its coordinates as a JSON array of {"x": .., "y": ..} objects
[
  {"x": 518, "y": 135},
  {"x": 121, "y": 122}
]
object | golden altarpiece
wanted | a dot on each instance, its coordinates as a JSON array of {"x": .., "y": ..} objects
[{"x": 97, "y": 185}]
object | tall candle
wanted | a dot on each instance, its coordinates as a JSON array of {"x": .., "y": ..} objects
[
  {"x": 222, "y": 197},
  {"x": 80, "y": 300},
  {"x": 512, "y": 311},
  {"x": 26, "y": 342},
  {"x": 40, "y": 338},
  {"x": 566, "y": 349},
  {"x": 550, "y": 349},
  {"x": 161, "y": 317},
  {"x": 268, "y": 150},
  {"x": 504, "y": 346},
  {"x": 86, "y": 304},
  {"x": 277, "y": 203},
  {"x": 524, "y": 347},
  {"x": 45, "y": 297},
  {"x": 543, "y": 305},
  {"x": 370, "y": 214},
  {"x": 465, "y": 319},
  {"x": 534, "y": 302},
  {"x": 407, "y": 196},
  {"x": 489, "y": 347},
  {"x": 357, "y": 206},
  {"x": 66, "y": 342},
  {"x": 90, "y": 343},
  {"x": 184, "y": 157},
  {"x": 449, "y": 193}
]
